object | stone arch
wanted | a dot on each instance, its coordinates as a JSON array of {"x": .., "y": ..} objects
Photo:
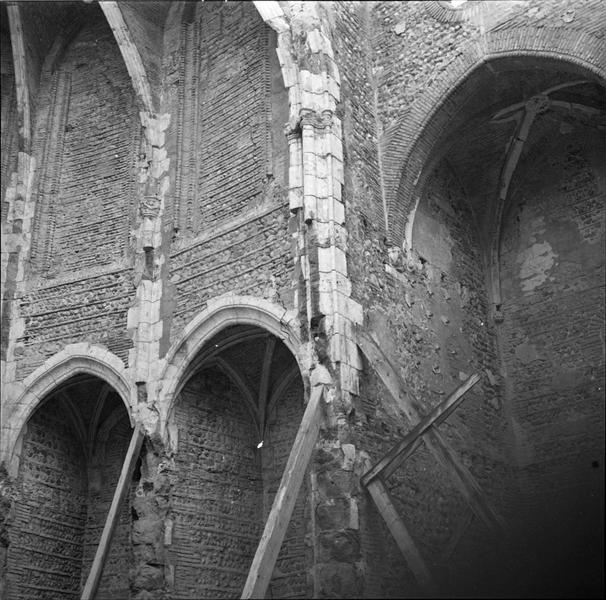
[
  {"x": 408, "y": 144},
  {"x": 270, "y": 12},
  {"x": 132, "y": 58},
  {"x": 23, "y": 399},
  {"x": 219, "y": 314},
  {"x": 229, "y": 450}
]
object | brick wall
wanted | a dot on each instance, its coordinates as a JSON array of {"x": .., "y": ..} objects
[
  {"x": 9, "y": 148},
  {"x": 87, "y": 137},
  {"x": 223, "y": 487},
  {"x": 224, "y": 144},
  {"x": 250, "y": 255},
  {"x": 102, "y": 480},
  {"x": 92, "y": 308},
  {"x": 217, "y": 490},
  {"x": 86, "y": 143},
  {"x": 290, "y": 578},
  {"x": 552, "y": 260},
  {"x": 45, "y": 553},
  {"x": 230, "y": 206}
]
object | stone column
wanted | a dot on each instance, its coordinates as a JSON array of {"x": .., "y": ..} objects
[{"x": 330, "y": 311}]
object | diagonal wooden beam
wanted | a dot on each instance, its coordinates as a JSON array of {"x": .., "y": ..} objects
[
  {"x": 436, "y": 444},
  {"x": 396, "y": 456},
  {"x": 395, "y": 384},
  {"x": 396, "y": 526},
  {"x": 284, "y": 502},
  {"x": 126, "y": 475}
]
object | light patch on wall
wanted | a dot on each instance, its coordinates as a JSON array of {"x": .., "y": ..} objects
[
  {"x": 536, "y": 263},
  {"x": 433, "y": 242},
  {"x": 526, "y": 353}
]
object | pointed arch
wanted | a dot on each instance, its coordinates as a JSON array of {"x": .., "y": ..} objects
[
  {"x": 409, "y": 142},
  {"x": 23, "y": 398},
  {"x": 221, "y": 313},
  {"x": 131, "y": 55}
]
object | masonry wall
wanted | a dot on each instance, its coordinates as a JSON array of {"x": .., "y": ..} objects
[
  {"x": 429, "y": 312},
  {"x": 230, "y": 207},
  {"x": 46, "y": 535},
  {"x": 422, "y": 48},
  {"x": 63, "y": 496},
  {"x": 102, "y": 480},
  {"x": 217, "y": 491},
  {"x": 223, "y": 488},
  {"x": 86, "y": 143},
  {"x": 431, "y": 317},
  {"x": 292, "y": 577},
  {"x": 552, "y": 261},
  {"x": 9, "y": 148}
]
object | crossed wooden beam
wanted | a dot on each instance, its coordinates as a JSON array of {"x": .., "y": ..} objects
[{"x": 424, "y": 430}]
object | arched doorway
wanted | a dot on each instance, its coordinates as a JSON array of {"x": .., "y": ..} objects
[
  {"x": 237, "y": 412},
  {"x": 71, "y": 452}
]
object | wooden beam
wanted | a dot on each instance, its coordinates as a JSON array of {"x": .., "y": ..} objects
[
  {"x": 277, "y": 522},
  {"x": 371, "y": 348},
  {"x": 126, "y": 475},
  {"x": 464, "y": 481},
  {"x": 394, "y": 458},
  {"x": 396, "y": 526},
  {"x": 436, "y": 444}
]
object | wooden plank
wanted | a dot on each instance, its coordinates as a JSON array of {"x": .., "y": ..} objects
[
  {"x": 277, "y": 522},
  {"x": 394, "y": 458},
  {"x": 396, "y": 526},
  {"x": 463, "y": 480},
  {"x": 438, "y": 446},
  {"x": 451, "y": 546},
  {"x": 126, "y": 475},
  {"x": 371, "y": 348}
]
